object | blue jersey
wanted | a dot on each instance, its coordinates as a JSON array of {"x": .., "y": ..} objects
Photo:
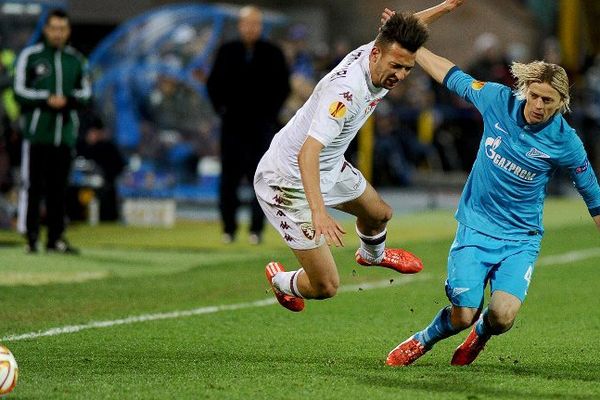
[{"x": 504, "y": 194}]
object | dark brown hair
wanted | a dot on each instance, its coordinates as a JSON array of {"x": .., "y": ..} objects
[
  {"x": 57, "y": 13},
  {"x": 404, "y": 29}
]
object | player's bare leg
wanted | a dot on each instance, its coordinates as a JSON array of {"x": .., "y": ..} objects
[
  {"x": 372, "y": 215},
  {"x": 503, "y": 309},
  {"x": 320, "y": 278},
  {"x": 495, "y": 320},
  {"x": 317, "y": 279}
]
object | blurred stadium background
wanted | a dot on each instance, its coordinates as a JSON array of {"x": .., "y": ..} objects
[{"x": 149, "y": 60}]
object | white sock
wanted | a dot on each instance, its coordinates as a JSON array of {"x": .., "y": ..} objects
[
  {"x": 287, "y": 282},
  {"x": 372, "y": 247}
]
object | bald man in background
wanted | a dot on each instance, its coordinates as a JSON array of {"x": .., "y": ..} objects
[{"x": 247, "y": 86}]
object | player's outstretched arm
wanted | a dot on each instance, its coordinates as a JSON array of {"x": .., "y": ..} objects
[
  {"x": 434, "y": 13},
  {"x": 429, "y": 15},
  {"x": 597, "y": 221},
  {"x": 436, "y": 66},
  {"x": 323, "y": 223}
]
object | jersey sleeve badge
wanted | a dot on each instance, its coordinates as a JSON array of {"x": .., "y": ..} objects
[
  {"x": 477, "y": 85},
  {"x": 582, "y": 168},
  {"x": 337, "y": 109}
]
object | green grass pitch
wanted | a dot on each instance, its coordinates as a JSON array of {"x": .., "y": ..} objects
[{"x": 149, "y": 319}]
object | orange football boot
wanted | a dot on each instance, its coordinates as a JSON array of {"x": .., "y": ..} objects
[
  {"x": 397, "y": 259},
  {"x": 468, "y": 351},
  {"x": 405, "y": 353},
  {"x": 292, "y": 303}
]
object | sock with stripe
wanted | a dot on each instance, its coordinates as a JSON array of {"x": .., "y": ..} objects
[
  {"x": 287, "y": 282},
  {"x": 372, "y": 247},
  {"x": 483, "y": 327},
  {"x": 440, "y": 328}
]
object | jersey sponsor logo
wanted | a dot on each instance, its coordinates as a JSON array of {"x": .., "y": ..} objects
[
  {"x": 308, "y": 230},
  {"x": 347, "y": 96},
  {"x": 535, "y": 153},
  {"x": 491, "y": 145},
  {"x": 497, "y": 126},
  {"x": 337, "y": 109},
  {"x": 581, "y": 169},
  {"x": 477, "y": 85}
]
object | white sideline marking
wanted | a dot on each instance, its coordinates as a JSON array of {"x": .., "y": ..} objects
[
  {"x": 565, "y": 258},
  {"x": 201, "y": 311},
  {"x": 569, "y": 257}
]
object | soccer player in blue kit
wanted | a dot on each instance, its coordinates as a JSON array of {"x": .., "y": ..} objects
[{"x": 525, "y": 139}]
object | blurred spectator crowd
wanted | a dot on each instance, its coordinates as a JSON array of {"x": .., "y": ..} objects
[{"x": 418, "y": 127}]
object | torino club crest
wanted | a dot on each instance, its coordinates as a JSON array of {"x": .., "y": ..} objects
[{"x": 308, "y": 230}]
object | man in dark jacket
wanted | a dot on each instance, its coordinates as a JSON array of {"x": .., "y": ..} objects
[
  {"x": 245, "y": 71},
  {"x": 50, "y": 84},
  {"x": 95, "y": 144}
]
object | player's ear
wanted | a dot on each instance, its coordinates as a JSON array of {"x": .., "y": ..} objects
[{"x": 375, "y": 54}]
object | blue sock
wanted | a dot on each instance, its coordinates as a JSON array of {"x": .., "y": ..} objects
[
  {"x": 482, "y": 326},
  {"x": 440, "y": 328}
]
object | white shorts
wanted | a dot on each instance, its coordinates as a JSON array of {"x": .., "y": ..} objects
[{"x": 288, "y": 211}]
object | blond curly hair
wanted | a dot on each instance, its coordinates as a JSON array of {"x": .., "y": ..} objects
[{"x": 542, "y": 72}]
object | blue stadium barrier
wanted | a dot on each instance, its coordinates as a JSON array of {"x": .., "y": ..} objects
[{"x": 126, "y": 67}]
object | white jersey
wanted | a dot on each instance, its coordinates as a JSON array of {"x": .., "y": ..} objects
[{"x": 338, "y": 107}]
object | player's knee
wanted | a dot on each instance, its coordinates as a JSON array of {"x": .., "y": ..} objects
[
  {"x": 326, "y": 290},
  {"x": 387, "y": 213},
  {"x": 501, "y": 320},
  {"x": 462, "y": 318},
  {"x": 382, "y": 216},
  {"x": 462, "y": 322}
]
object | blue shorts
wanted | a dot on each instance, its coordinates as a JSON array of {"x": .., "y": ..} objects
[{"x": 476, "y": 259}]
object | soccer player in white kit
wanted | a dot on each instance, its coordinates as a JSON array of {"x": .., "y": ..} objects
[{"x": 304, "y": 170}]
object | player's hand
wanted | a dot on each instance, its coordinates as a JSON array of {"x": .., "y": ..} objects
[
  {"x": 386, "y": 15},
  {"x": 324, "y": 224},
  {"x": 57, "y": 102},
  {"x": 453, "y": 4}
]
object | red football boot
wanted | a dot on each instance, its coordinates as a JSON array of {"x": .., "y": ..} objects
[
  {"x": 405, "y": 353},
  {"x": 292, "y": 303},
  {"x": 396, "y": 259},
  {"x": 468, "y": 351}
]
